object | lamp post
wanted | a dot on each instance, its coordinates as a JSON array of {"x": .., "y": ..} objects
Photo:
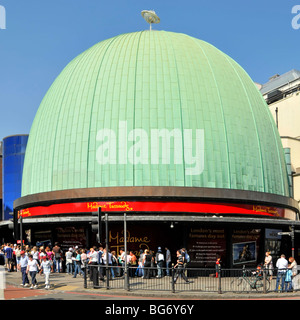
[{"x": 21, "y": 231}]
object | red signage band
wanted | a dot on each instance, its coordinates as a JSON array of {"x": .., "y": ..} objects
[{"x": 153, "y": 206}]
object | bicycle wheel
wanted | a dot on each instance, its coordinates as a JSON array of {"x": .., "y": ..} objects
[
  {"x": 259, "y": 286},
  {"x": 237, "y": 285}
]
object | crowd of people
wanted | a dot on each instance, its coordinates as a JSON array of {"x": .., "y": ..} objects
[
  {"x": 46, "y": 260},
  {"x": 146, "y": 264}
]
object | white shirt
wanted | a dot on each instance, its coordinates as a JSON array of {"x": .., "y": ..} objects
[
  {"x": 128, "y": 256},
  {"x": 268, "y": 260},
  {"x": 104, "y": 258},
  {"x": 282, "y": 263},
  {"x": 160, "y": 257},
  {"x": 35, "y": 254},
  {"x": 46, "y": 265},
  {"x": 93, "y": 256},
  {"x": 32, "y": 265}
]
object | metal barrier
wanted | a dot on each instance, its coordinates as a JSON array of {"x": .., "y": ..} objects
[{"x": 198, "y": 279}]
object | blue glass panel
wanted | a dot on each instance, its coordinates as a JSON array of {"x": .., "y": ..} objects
[{"x": 14, "y": 148}]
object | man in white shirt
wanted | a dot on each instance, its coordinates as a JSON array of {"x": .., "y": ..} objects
[
  {"x": 23, "y": 263},
  {"x": 281, "y": 265},
  {"x": 93, "y": 265},
  {"x": 110, "y": 269},
  {"x": 160, "y": 262}
]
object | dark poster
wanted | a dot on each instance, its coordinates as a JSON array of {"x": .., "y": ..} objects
[
  {"x": 70, "y": 236},
  {"x": 205, "y": 245}
]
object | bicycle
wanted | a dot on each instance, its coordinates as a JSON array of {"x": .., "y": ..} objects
[{"x": 249, "y": 281}]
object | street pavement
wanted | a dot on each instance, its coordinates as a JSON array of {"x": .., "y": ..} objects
[{"x": 65, "y": 287}]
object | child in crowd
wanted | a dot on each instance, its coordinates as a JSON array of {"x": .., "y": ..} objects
[
  {"x": 46, "y": 267},
  {"x": 288, "y": 280}
]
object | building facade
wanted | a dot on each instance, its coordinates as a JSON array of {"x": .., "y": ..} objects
[
  {"x": 282, "y": 94},
  {"x": 168, "y": 132}
]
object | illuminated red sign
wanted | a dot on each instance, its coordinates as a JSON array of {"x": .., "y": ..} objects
[{"x": 153, "y": 206}]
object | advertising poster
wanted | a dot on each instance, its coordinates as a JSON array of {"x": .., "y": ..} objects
[
  {"x": 205, "y": 245},
  {"x": 245, "y": 246},
  {"x": 244, "y": 252},
  {"x": 71, "y": 236}
]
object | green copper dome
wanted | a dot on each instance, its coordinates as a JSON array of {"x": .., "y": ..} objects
[{"x": 154, "y": 108}]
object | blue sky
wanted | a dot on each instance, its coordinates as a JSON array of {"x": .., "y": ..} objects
[{"x": 41, "y": 37}]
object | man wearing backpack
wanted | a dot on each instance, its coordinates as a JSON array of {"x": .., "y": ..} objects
[
  {"x": 57, "y": 257},
  {"x": 187, "y": 259}
]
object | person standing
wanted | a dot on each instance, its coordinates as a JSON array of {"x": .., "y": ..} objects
[
  {"x": 147, "y": 264},
  {"x": 139, "y": 270},
  {"x": 32, "y": 268},
  {"x": 168, "y": 261},
  {"x": 114, "y": 261},
  {"x": 288, "y": 280},
  {"x": 35, "y": 254},
  {"x": 49, "y": 253},
  {"x": 153, "y": 270},
  {"x": 294, "y": 268},
  {"x": 57, "y": 257},
  {"x": 46, "y": 267},
  {"x": 281, "y": 265},
  {"x": 69, "y": 262},
  {"x": 77, "y": 264},
  {"x": 22, "y": 266},
  {"x": 18, "y": 256},
  {"x": 269, "y": 264},
  {"x": 122, "y": 259},
  {"x": 83, "y": 257},
  {"x": 14, "y": 261},
  {"x": 218, "y": 266},
  {"x": 9, "y": 257},
  {"x": 110, "y": 274},
  {"x": 133, "y": 264},
  {"x": 93, "y": 263},
  {"x": 180, "y": 267},
  {"x": 159, "y": 262},
  {"x": 41, "y": 254},
  {"x": 186, "y": 259}
]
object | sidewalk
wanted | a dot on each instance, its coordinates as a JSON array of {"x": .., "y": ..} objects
[{"x": 62, "y": 282}]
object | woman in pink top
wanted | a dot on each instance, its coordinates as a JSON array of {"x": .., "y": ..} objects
[{"x": 49, "y": 253}]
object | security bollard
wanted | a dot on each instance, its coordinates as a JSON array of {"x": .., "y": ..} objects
[{"x": 2, "y": 282}]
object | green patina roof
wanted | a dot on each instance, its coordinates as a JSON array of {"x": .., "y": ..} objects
[{"x": 153, "y": 80}]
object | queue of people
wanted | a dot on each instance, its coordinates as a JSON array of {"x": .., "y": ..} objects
[
  {"x": 146, "y": 264},
  {"x": 46, "y": 260}
]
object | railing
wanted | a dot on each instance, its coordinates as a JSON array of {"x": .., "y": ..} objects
[{"x": 199, "y": 279}]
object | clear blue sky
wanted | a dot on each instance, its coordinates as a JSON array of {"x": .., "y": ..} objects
[{"x": 42, "y": 36}]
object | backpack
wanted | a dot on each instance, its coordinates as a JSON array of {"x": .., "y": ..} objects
[
  {"x": 57, "y": 254},
  {"x": 187, "y": 257}
]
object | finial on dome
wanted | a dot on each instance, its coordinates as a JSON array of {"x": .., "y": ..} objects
[{"x": 151, "y": 17}]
